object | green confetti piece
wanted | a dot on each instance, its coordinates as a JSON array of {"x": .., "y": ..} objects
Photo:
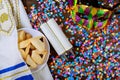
[{"x": 80, "y": 22}]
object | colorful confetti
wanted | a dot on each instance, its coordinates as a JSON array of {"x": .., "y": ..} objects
[{"x": 97, "y": 52}]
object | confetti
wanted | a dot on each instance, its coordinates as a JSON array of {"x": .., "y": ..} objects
[{"x": 97, "y": 52}]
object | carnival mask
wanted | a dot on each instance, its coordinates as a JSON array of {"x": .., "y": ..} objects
[{"x": 91, "y": 17}]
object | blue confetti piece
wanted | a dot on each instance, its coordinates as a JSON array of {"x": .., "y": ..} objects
[
  {"x": 108, "y": 79},
  {"x": 70, "y": 78},
  {"x": 119, "y": 16},
  {"x": 65, "y": 75}
]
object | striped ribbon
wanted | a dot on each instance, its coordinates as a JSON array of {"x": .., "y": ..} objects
[{"x": 24, "y": 73}]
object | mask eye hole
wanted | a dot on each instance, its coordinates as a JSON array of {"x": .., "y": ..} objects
[
  {"x": 83, "y": 16},
  {"x": 104, "y": 17},
  {"x": 101, "y": 19}
]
